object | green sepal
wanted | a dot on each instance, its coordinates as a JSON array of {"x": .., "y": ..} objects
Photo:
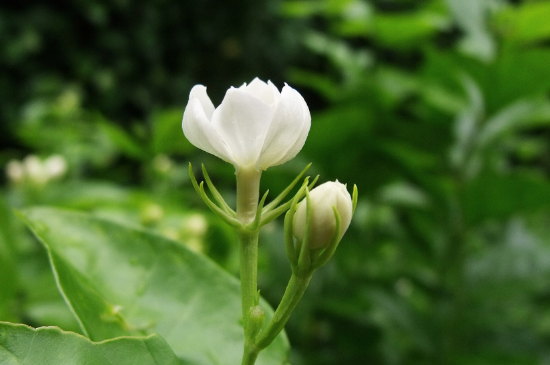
[
  {"x": 304, "y": 259},
  {"x": 216, "y": 194},
  {"x": 289, "y": 227},
  {"x": 285, "y": 192},
  {"x": 256, "y": 223},
  {"x": 273, "y": 214},
  {"x": 257, "y": 298},
  {"x": 354, "y": 197},
  {"x": 328, "y": 252},
  {"x": 225, "y": 216}
]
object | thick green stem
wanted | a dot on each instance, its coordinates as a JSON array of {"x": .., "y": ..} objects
[
  {"x": 294, "y": 292},
  {"x": 248, "y": 253},
  {"x": 248, "y": 192},
  {"x": 251, "y": 353}
]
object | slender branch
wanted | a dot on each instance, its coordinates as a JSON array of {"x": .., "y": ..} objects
[{"x": 293, "y": 293}]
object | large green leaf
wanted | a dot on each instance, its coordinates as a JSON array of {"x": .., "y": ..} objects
[
  {"x": 23, "y": 345},
  {"x": 124, "y": 281}
]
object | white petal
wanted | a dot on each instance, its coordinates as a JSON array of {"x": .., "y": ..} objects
[
  {"x": 199, "y": 131},
  {"x": 275, "y": 94},
  {"x": 242, "y": 121},
  {"x": 288, "y": 130},
  {"x": 199, "y": 92},
  {"x": 268, "y": 93}
]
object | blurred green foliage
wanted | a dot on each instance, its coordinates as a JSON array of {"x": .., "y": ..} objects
[{"x": 438, "y": 110}]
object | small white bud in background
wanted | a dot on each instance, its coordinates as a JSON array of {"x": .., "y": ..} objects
[
  {"x": 15, "y": 171},
  {"x": 171, "y": 233},
  {"x": 151, "y": 213},
  {"x": 162, "y": 164},
  {"x": 34, "y": 170},
  {"x": 194, "y": 244},
  {"x": 55, "y": 166},
  {"x": 196, "y": 225}
]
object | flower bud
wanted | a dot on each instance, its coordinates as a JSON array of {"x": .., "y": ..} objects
[
  {"x": 55, "y": 166},
  {"x": 323, "y": 220},
  {"x": 35, "y": 170},
  {"x": 15, "y": 171},
  {"x": 254, "y": 127},
  {"x": 256, "y": 320}
]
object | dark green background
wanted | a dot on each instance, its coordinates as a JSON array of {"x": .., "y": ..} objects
[{"x": 437, "y": 110}]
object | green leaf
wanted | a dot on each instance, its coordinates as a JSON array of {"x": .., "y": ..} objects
[
  {"x": 500, "y": 196},
  {"x": 471, "y": 16},
  {"x": 351, "y": 62},
  {"x": 526, "y": 23},
  {"x": 167, "y": 135},
  {"x": 127, "y": 143},
  {"x": 519, "y": 115},
  {"x": 301, "y": 8},
  {"x": 321, "y": 83},
  {"x": 407, "y": 30},
  {"x": 23, "y": 345},
  {"x": 124, "y": 281}
]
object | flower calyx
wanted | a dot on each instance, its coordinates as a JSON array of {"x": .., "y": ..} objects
[{"x": 264, "y": 213}]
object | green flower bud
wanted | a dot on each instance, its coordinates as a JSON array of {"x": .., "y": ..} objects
[
  {"x": 323, "y": 220},
  {"x": 257, "y": 319}
]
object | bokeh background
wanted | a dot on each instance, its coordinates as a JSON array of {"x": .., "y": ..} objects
[{"x": 438, "y": 110}]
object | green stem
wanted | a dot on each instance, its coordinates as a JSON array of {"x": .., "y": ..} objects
[
  {"x": 293, "y": 293},
  {"x": 248, "y": 192},
  {"x": 248, "y": 253},
  {"x": 251, "y": 353}
]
